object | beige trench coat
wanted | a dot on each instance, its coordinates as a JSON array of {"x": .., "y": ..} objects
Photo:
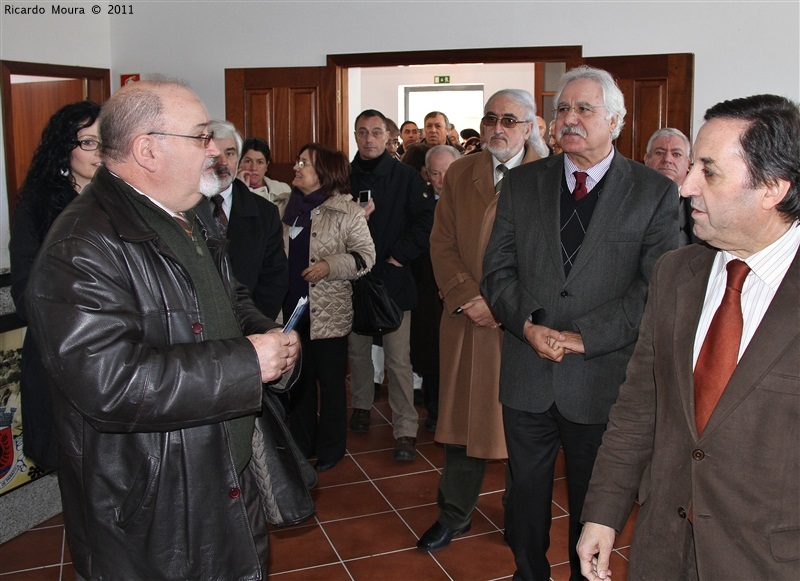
[{"x": 470, "y": 413}]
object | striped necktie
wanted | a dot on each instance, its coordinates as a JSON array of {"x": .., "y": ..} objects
[{"x": 502, "y": 169}]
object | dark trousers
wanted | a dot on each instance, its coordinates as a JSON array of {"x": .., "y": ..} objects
[
  {"x": 533, "y": 441},
  {"x": 324, "y": 363},
  {"x": 459, "y": 486}
]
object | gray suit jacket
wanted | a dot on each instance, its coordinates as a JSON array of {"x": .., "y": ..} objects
[
  {"x": 603, "y": 298},
  {"x": 742, "y": 477}
]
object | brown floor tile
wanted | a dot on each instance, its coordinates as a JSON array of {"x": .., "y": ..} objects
[
  {"x": 619, "y": 567},
  {"x": 410, "y": 490},
  {"x": 626, "y": 552},
  {"x": 35, "y": 548},
  {"x": 381, "y": 413},
  {"x": 560, "y": 498},
  {"x": 494, "y": 480},
  {"x": 345, "y": 472},
  {"x": 559, "y": 541},
  {"x": 299, "y": 548},
  {"x": 491, "y": 506},
  {"x": 44, "y": 574},
  {"x": 433, "y": 452},
  {"x": 348, "y": 500},
  {"x": 377, "y": 438},
  {"x": 369, "y": 535},
  {"x": 400, "y": 566},
  {"x": 477, "y": 558},
  {"x": 381, "y": 464},
  {"x": 625, "y": 537},
  {"x": 561, "y": 572},
  {"x": 335, "y": 572},
  {"x": 67, "y": 572}
]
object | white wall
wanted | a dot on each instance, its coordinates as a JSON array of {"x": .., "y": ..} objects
[{"x": 741, "y": 48}]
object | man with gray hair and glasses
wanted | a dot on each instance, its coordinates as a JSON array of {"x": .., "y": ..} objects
[
  {"x": 565, "y": 272},
  {"x": 470, "y": 423},
  {"x": 251, "y": 224}
]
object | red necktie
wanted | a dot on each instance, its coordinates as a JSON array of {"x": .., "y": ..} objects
[
  {"x": 580, "y": 185},
  {"x": 720, "y": 350}
]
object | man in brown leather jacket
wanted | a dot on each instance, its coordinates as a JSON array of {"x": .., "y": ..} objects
[{"x": 157, "y": 356}]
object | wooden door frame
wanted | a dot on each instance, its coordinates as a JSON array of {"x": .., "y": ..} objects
[
  {"x": 98, "y": 89},
  {"x": 340, "y": 63}
]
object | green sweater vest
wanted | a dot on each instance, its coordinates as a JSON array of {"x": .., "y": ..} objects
[{"x": 218, "y": 319}]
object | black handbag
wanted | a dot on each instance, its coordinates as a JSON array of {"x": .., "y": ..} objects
[
  {"x": 374, "y": 311},
  {"x": 282, "y": 473}
]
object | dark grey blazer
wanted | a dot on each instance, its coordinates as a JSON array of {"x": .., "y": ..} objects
[{"x": 603, "y": 298}]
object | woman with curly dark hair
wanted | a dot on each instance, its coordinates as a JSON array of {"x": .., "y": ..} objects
[{"x": 63, "y": 164}]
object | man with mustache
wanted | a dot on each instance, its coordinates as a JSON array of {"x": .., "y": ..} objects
[
  {"x": 470, "y": 422},
  {"x": 565, "y": 272},
  {"x": 157, "y": 358},
  {"x": 251, "y": 224}
]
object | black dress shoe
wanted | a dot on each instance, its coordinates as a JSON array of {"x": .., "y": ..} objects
[
  {"x": 323, "y": 466},
  {"x": 439, "y": 536}
]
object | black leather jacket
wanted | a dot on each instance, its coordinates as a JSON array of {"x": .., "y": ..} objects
[{"x": 147, "y": 476}]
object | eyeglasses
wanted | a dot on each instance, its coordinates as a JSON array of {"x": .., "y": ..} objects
[
  {"x": 376, "y": 133},
  {"x": 204, "y": 138},
  {"x": 583, "y": 110},
  {"x": 87, "y": 144},
  {"x": 301, "y": 164},
  {"x": 508, "y": 122}
]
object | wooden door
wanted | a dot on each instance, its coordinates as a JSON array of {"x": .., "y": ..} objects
[
  {"x": 288, "y": 107},
  {"x": 658, "y": 93}
]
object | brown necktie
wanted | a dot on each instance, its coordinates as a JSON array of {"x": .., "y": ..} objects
[
  {"x": 219, "y": 215},
  {"x": 720, "y": 350},
  {"x": 180, "y": 218},
  {"x": 580, "y": 190}
]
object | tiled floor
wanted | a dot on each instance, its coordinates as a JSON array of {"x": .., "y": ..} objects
[{"x": 370, "y": 512}]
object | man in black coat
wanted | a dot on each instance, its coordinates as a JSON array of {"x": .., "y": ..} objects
[
  {"x": 252, "y": 226},
  {"x": 400, "y": 220}
]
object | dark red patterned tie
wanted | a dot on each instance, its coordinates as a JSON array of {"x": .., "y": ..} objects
[
  {"x": 219, "y": 215},
  {"x": 580, "y": 190},
  {"x": 720, "y": 350}
]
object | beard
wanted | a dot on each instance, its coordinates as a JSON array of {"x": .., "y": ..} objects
[
  {"x": 210, "y": 182},
  {"x": 501, "y": 152}
]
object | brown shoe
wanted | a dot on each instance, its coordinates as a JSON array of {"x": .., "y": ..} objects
[
  {"x": 405, "y": 449},
  {"x": 359, "y": 421}
]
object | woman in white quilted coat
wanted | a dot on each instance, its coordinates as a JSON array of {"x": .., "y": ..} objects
[{"x": 322, "y": 225}]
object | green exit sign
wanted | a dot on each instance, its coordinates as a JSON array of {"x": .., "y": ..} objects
[{"x": 441, "y": 80}]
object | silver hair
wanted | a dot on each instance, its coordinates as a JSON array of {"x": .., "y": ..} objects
[
  {"x": 521, "y": 97},
  {"x": 668, "y": 132},
  {"x": 225, "y": 130},
  {"x": 613, "y": 99},
  {"x": 433, "y": 114},
  {"x": 440, "y": 150},
  {"x": 538, "y": 144}
]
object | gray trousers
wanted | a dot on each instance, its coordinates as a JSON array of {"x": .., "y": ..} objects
[{"x": 397, "y": 354}]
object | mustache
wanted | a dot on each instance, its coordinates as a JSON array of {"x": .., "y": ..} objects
[
  {"x": 223, "y": 170},
  {"x": 572, "y": 129},
  {"x": 498, "y": 136}
]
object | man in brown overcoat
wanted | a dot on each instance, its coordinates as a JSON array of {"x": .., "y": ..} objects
[{"x": 470, "y": 421}]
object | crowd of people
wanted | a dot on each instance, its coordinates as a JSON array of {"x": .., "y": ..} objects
[{"x": 556, "y": 296}]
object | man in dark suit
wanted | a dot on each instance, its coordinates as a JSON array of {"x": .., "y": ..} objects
[
  {"x": 668, "y": 152},
  {"x": 724, "y": 499},
  {"x": 566, "y": 270},
  {"x": 252, "y": 226}
]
